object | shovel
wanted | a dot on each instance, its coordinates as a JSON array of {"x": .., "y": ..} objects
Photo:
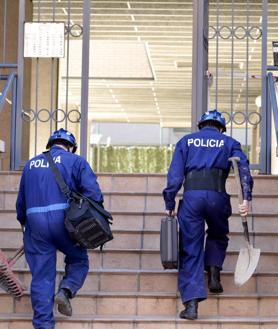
[{"x": 248, "y": 257}]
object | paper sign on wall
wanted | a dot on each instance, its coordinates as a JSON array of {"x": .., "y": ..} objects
[{"x": 44, "y": 39}]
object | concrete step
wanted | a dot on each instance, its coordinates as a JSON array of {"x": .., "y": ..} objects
[
  {"x": 23, "y": 321},
  {"x": 155, "y": 304},
  {"x": 124, "y": 280},
  {"x": 127, "y": 289},
  {"x": 150, "y": 239},
  {"x": 147, "y": 259},
  {"x": 9, "y": 180},
  {"x": 152, "y": 202},
  {"x": 154, "y": 183},
  {"x": 124, "y": 220},
  {"x": 264, "y": 222}
]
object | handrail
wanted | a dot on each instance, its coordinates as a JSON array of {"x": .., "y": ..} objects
[
  {"x": 272, "y": 68},
  {"x": 10, "y": 76},
  {"x": 8, "y": 65},
  {"x": 273, "y": 104},
  {"x": 6, "y": 89}
]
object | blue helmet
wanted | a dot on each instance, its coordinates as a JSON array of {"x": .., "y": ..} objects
[
  {"x": 62, "y": 135},
  {"x": 213, "y": 115}
]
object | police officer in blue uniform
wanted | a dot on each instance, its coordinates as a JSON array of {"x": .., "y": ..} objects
[
  {"x": 40, "y": 208},
  {"x": 201, "y": 163}
]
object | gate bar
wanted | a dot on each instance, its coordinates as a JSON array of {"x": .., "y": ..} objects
[
  {"x": 85, "y": 78},
  {"x": 265, "y": 154},
  {"x": 199, "y": 61},
  {"x": 6, "y": 65},
  {"x": 17, "y": 147},
  {"x": 10, "y": 80},
  {"x": 273, "y": 103}
]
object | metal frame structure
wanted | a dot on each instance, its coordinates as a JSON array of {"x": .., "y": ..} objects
[
  {"x": 17, "y": 146},
  {"x": 200, "y": 61},
  {"x": 199, "y": 77},
  {"x": 11, "y": 84},
  {"x": 85, "y": 78},
  {"x": 272, "y": 101},
  {"x": 17, "y": 119},
  {"x": 200, "y": 65},
  {"x": 265, "y": 157}
]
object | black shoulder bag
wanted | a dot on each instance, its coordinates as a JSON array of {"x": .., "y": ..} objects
[{"x": 87, "y": 222}]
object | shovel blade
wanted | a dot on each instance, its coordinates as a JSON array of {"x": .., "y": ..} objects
[{"x": 246, "y": 264}]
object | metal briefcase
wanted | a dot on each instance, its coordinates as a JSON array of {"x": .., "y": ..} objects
[{"x": 169, "y": 242}]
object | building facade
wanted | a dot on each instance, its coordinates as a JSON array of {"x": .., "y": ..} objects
[{"x": 129, "y": 78}]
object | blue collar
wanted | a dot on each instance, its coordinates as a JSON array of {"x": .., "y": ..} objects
[
  {"x": 210, "y": 128},
  {"x": 56, "y": 147}
]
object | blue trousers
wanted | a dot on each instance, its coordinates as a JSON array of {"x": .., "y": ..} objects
[
  {"x": 196, "y": 208},
  {"x": 44, "y": 235}
]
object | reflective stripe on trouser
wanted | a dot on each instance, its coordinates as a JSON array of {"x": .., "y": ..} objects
[
  {"x": 51, "y": 207},
  {"x": 197, "y": 207},
  {"x": 44, "y": 234}
]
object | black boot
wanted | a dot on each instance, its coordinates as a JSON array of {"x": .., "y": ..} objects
[
  {"x": 191, "y": 310},
  {"x": 62, "y": 299},
  {"x": 214, "y": 284}
]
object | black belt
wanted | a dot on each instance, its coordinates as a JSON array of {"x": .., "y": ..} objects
[{"x": 206, "y": 179}]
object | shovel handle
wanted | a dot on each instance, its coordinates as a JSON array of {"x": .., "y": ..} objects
[
  {"x": 246, "y": 231},
  {"x": 234, "y": 161}
]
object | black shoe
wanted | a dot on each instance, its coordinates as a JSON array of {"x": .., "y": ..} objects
[
  {"x": 62, "y": 300},
  {"x": 214, "y": 284},
  {"x": 191, "y": 310}
]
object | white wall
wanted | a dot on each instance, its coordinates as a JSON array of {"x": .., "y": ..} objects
[{"x": 116, "y": 133}]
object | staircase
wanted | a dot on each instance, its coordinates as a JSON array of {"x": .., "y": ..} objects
[{"x": 127, "y": 288}]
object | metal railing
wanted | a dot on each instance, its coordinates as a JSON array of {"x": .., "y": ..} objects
[
  {"x": 272, "y": 94},
  {"x": 236, "y": 76},
  {"x": 10, "y": 85}
]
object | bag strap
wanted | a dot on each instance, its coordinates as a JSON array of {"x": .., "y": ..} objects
[
  {"x": 105, "y": 213},
  {"x": 100, "y": 209},
  {"x": 58, "y": 176},
  {"x": 66, "y": 190}
]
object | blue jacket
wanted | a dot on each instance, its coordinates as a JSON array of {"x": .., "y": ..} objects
[
  {"x": 39, "y": 192},
  {"x": 207, "y": 148}
]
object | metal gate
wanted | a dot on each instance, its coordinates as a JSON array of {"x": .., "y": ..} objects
[
  {"x": 232, "y": 33},
  {"x": 237, "y": 57},
  {"x": 43, "y": 98}
]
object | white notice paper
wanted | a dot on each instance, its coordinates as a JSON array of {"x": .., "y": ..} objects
[{"x": 44, "y": 39}]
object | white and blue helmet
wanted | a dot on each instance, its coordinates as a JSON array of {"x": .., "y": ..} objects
[
  {"x": 62, "y": 135},
  {"x": 213, "y": 115}
]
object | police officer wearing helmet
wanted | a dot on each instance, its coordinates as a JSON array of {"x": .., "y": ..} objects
[
  {"x": 201, "y": 163},
  {"x": 40, "y": 208}
]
